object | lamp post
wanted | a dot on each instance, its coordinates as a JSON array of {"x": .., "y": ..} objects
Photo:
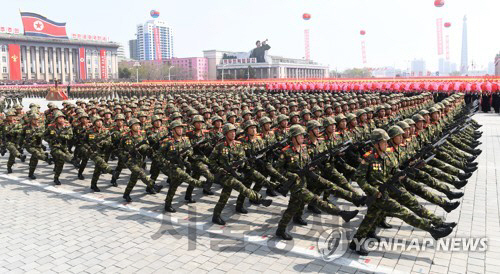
[
  {"x": 169, "y": 72},
  {"x": 137, "y": 65}
]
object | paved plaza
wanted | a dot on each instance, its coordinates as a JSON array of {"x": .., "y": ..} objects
[{"x": 69, "y": 229}]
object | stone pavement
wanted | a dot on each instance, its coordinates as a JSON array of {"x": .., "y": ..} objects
[{"x": 70, "y": 229}]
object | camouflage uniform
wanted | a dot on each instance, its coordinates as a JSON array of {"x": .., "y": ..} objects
[{"x": 31, "y": 139}]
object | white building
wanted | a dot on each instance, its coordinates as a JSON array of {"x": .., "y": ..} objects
[
  {"x": 155, "y": 40},
  {"x": 235, "y": 65}
]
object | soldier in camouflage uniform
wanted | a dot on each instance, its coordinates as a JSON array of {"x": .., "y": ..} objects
[
  {"x": 97, "y": 143},
  {"x": 11, "y": 131},
  {"x": 117, "y": 131},
  {"x": 156, "y": 134},
  {"x": 225, "y": 160},
  {"x": 176, "y": 152},
  {"x": 57, "y": 135},
  {"x": 292, "y": 160},
  {"x": 375, "y": 170},
  {"x": 31, "y": 139},
  {"x": 199, "y": 138}
]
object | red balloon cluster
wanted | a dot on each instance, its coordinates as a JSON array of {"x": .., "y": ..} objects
[
  {"x": 447, "y": 24},
  {"x": 306, "y": 16},
  {"x": 439, "y": 3},
  {"x": 362, "y": 32}
]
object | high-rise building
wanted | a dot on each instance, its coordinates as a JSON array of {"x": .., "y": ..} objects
[
  {"x": 418, "y": 67},
  {"x": 464, "y": 64},
  {"x": 132, "y": 47},
  {"x": 155, "y": 40},
  {"x": 120, "y": 53},
  {"x": 497, "y": 65}
]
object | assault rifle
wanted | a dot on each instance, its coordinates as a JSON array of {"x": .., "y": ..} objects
[{"x": 317, "y": 160}]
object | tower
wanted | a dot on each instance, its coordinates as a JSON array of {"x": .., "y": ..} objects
[
  {"x": 155, "y": 40},
  {"x": 464, "y": 63}
]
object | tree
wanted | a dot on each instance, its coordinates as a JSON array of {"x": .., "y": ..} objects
[
  {"x": 357, "y": 73},
  {"x": 455, "y": 73},
  {"x": 124, "y": 73}
]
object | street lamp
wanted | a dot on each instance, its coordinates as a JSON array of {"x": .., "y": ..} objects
[
  {"x": 169, "y": 72},
  {"x": 137, "y": 65}
]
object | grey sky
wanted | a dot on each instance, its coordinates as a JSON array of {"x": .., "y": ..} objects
[{"x": 397, "y": 30}]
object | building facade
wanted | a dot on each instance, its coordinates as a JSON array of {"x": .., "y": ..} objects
[
  {"x": 132, "y": 46},
  {"x": 237, "y": 65},
  {"x": 497, "y": 65},
  {"x": 36, "y": 58},
  {"x": 194, "y": 68},
  {"x": 155, "y": 41}
]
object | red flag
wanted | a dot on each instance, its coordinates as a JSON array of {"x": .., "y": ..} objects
[
  {"x": 15, "y": 61},
  {"x": 157, "y": 44},
  {"x": 38, "y": 25},
  {"x": 83, "y": 71},
  {"x": 104, "y": 70}
]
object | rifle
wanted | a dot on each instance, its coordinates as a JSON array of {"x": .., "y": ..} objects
[
  {"x": 397, "y": 177},
  {"x": 317, "y": 160}
]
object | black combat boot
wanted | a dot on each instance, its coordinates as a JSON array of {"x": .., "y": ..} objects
[
  {"x": 57, "y": 182},
  {"x": 299, "y": 220},
  {"x": 9, "y": 169},
  {"x": 189, "y": 198},
  {"x": 454, "y": 195},
  {"x": 281, "y": 232},
  {"x": 127, "y": 198},
  {"x": 150, "y": 190},
  {"x": 374, "y": 235},
  {"x": 449, "y": 207},
  {"x": 348, "y": 215},
  {"x": 157, "y": 187},
  {"x": 360, "y": 251},
  {"x": 360, "y": 201},
  {"x": 460, "y": 184},
  {"x": 80, "y": 176},
  {"x": 95, "y": 188},
  {"x": 441, "y": 232},
  {"x": 169, "y": 208},
  {"x": 113, "y": 179},
  {"x": 464, "y": 176},
  {"x": 240, "y": 208},
  {"x": 23, "y": 158},
  {"x": 216, "y": 219},
  {"x": 270, "y": 192},
  {"x": 450, "y": 224},
  {"x": 31, "y": 175},
  {"x": 384, "y": 224}
]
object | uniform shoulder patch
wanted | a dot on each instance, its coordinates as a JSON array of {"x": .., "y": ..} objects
[{"x": 367, "y": 154}]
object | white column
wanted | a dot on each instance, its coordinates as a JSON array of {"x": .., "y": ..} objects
[
  {"x": 37, "y": 63},
  {"x": 115, "y": 66},
  {"x": 91, "y": 65},
  {"x": 27, "y": 62},
  {"x": 46, "y": 63},
  {"x": 63, "y": 65},
  {"x": 70, "y": 56},
  {"x": 54, "y": 64}
]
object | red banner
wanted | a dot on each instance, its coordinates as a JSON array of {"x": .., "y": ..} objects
[
  {"x": 81, "y": 61},
  {"x": 439, "y": 25},
  {"x": 15, "y": 62},
  {"x": 104, "y": 65},
  {"x": 157, "y": 44}
]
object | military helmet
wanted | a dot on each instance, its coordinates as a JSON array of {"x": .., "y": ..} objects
[
  {"x": 282, "y": 117},
  {"x": 379, "y": 134},
  {"x": 11, "y": 112},
  {"x": 133, "y": 121},
  {"x": 230, "y": 114},
  {"x": 297, "y": 130},
  {"x": 423, "y": 112},
  {"x": 403, "y": 124},
  {"x": 329, "y": 121},
  {"x": 198, "y": 118},
  {"x": 293, "y": 114},
  {"x": 312, "y": 124},
  {"x": 350, "y": 117},
  {"x": 433, "y": 109},
  {"x": 304, "y": 112},
  {"x": 216, "y": 118},
  {"x": 360, "y": 112},
  {"x": 418, "y": 117},
  {"x": 245, "y": 112},
  {"x": 264, "y": 120},
  {"x": 51, "y": 105},
  {"x": 32, "y": 105},
  {"x": 155, "y": 118},
  {"x": 379, "y": 108},
  {"x": 395, "y": 131},
  {"x": 120, "y": 117},
  {"x": 35, "y": 116},
  {"x": 248, "y": 124},
  {"x": 228, "y": 127},
  {"x": 316, "y": 108},
  {"x": 175, "y": 115},
  {"x": 58, "y": 114},
  {"x": 409, "y": 121},
  {"x": 96, "y": 118},
  {"x": 83, "y": 115},
  {"x": 339, "y": 118},
  {"x": 176, "y": 123}
]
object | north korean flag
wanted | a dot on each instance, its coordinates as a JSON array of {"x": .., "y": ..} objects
[{"x": 38, "y": 25}]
